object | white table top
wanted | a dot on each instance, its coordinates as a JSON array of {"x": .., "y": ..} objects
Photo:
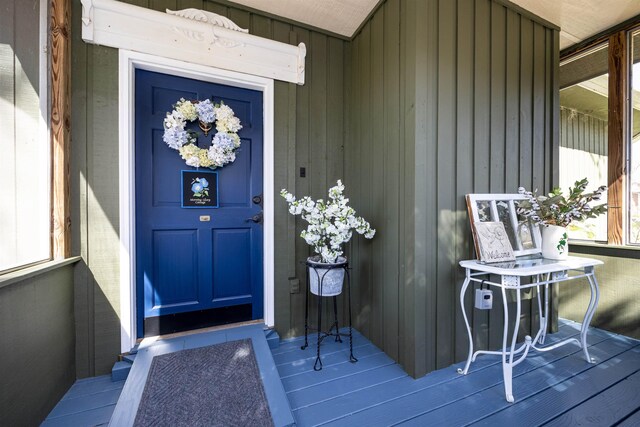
[{"x": 530, "y": 266}]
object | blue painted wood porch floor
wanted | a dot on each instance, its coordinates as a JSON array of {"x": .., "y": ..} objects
[{"x": 556, "y": 388}]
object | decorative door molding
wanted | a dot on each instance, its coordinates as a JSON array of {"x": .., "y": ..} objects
[{"x": 191, "y": 35}]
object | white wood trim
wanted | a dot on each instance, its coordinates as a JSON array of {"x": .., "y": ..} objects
[
  {"x": 124, "y": 26},
  {"x": 44, "y": 130},
  {"x": 128, "y": 62}
]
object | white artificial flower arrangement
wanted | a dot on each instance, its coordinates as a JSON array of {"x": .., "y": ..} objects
[
  {"x": 223, "y": 144},
  {"x": 331, "y": 223}
]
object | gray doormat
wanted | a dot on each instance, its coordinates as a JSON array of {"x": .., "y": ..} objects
[{"x": 218, "y": 385}]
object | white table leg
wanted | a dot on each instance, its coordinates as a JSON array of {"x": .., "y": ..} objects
[
  {"x": 544, "y": 314},
  {"x": 591, "y": 309},
  {"x": 507, "y": 365},
  {"x": 466, "y": 322},
  {"x": 539, "y": 336},
  {"x": 546, "y": 310}
]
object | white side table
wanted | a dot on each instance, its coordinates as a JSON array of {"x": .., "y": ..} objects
[{"x": 543, "y": 272}]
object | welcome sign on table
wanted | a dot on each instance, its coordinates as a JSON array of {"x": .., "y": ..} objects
[
  {"x": 199, "y": 189},
  {"x": 493, "y": 242}
]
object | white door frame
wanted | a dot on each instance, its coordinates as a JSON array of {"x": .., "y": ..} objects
[{"x": 128, "y": 62}]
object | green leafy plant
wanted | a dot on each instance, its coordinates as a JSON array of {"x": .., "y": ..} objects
[{"x": 556, "y": 209}]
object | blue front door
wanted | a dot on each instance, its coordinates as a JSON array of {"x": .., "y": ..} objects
[{"x": 205, "y": 262}]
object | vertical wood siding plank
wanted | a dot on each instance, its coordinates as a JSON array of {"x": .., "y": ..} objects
[
  {"x": 555, "y": 149},
  {"x": 446, "y": 200},
  {"x": 512, "y": 138},
  {"x": 220, "y": 9},
  {"x": 361, "y": 203},
  {"x": 286, "y": 314},
  {"x": 352, "y": 159},
  {"x": 141, "y": 3},
  {"x": 481, "y": 150},
  {"x": 242, "y": 18},
  {"x": 498, "y": 82},
  {"x": 303, "y": 185},
  {"x": 375, "y": 189},
  {"x": 261, "y": 27},
  {"x": 555, "y": 105},
  {"x": 162, "y": 5},
  {"x": 526, "y": 102},
  {"x": 389, "y": 229},
  {"x": 185, "y": 4},
  {"x": 318, "y": 118},
  {"x": 102, "y": 205},
  {"x": 497, "y": 131},
  {"x": 539, "y": 139},
  {"x": 79, "y": 93},
  {"x": 336, "y": 109},
  {"x": 420, "y": 172},
  {"x": 335, "y": 126},
  {"x": 408, "y": 95},
  {"x": 282, "y": 240},
  {"x": 318, "y": 156},
  {"x": 464, "y": 162},
  {"x": 547, "y": 110},
  {"x": 526, "y": 139}
]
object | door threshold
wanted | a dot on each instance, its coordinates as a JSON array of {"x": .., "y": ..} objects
[{"x": 208, "y": 329}]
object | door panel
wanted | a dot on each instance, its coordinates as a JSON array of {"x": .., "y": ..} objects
[
  {"x": 181, "y": 246},
  {"x": 184, "y": 264},
  {"x": 232, "y": 256},
  {"x": 235, "y": 192}
]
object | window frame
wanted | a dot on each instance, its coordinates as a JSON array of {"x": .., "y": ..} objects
[
  {"x": 44, "y": 125},
  {"x": 629, "y": 136},
  {"x": 619, "y": 39}
]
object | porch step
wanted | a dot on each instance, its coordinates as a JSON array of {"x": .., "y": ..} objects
[
  {"x": 129, "y": 357},
  {"x": 120, "y": 370},
  {"x": 273, "y": 338}
]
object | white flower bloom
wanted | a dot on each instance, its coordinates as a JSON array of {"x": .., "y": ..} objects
[
  {"x": 193, "y": 161},
  {"x": 174, "y": 120},
  {"x": 295, "y": 209},
  {"x": 331, "y": 223}
]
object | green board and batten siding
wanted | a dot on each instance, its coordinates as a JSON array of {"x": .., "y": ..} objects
[
  {"x": 429, "y": 101},
  {"x": 37, "y": 341},
  {"x": 309, "y": 128},
  {"x": 446, "y": 98}
]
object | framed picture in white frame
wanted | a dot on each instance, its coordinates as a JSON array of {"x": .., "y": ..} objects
[{"x": 524, "y": 236}]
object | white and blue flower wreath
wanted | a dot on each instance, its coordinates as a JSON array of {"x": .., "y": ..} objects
[{"x": 223, "y": 144}]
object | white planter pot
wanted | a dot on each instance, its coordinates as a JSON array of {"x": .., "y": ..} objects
[
  {"x": 552, "y": 248},
  {"x": 327, "y": 278}
]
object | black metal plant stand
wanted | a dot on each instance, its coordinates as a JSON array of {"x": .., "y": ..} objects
[{"x": 334, "y": 330}]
